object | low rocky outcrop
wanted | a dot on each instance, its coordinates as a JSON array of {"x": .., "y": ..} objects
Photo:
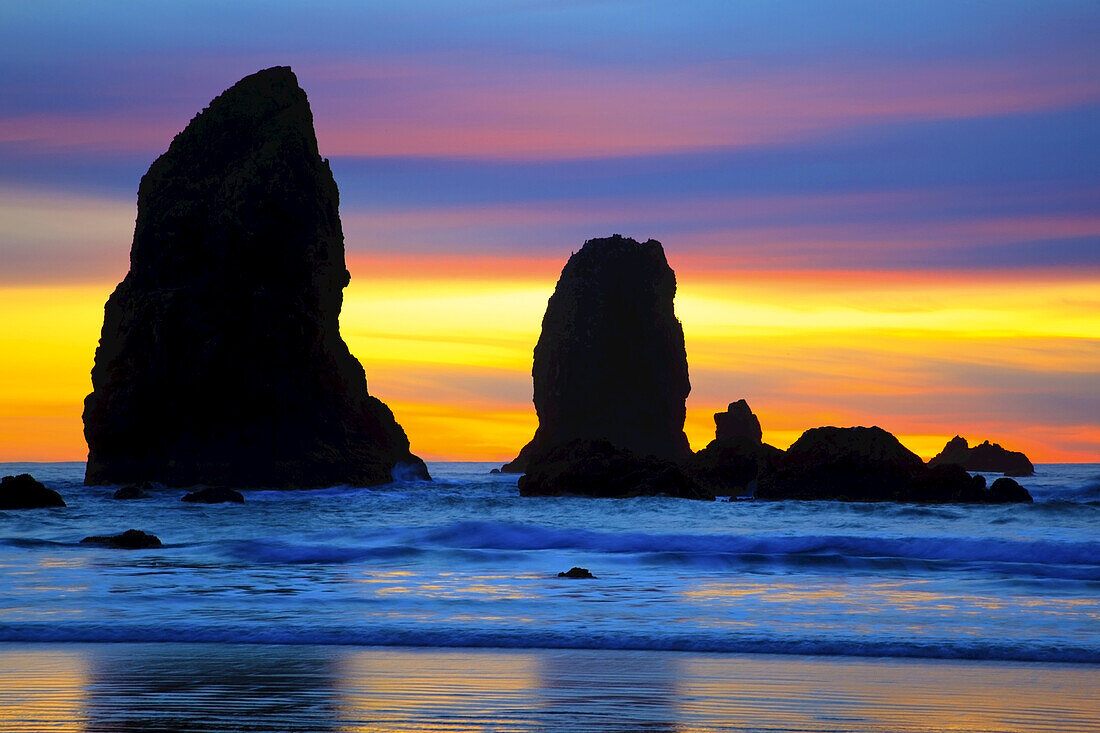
[
  {"x": 732, "y": 462},
  {"x": 1005, "y": 491},
  {"x": 610, "y": 363},
  {"x": 26, "y": 492},
  {"x": 732, "y": 466},
  {"x": 599, "y": 469},
  {"x": 131, "y": 539},
  {"x": 577, "y": 573},
  {"x": 987, "y": 458},
  {"x": 134, "y": 491},
  {"x": 214, "y": 495},
  {"x": 869, "y": 464},
  {"x": 946, "y": 485},
  {"x": 221, "y": 360}
]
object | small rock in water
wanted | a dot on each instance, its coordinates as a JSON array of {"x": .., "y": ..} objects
[
  {"x": 214, "y": 495},
  {"x": 1006, "y": 491},
  {"x": 134, "y": 491},
  {"x": 495, "y": 470},
  {"x": 25, "y": 492},
  {"x": 131, "y": 539},
  {"x": 577, "y": 573}
]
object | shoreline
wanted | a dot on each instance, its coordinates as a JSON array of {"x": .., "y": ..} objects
[
  {"x": 806, "y": 649},
  {"x": 213, "y": 687}
]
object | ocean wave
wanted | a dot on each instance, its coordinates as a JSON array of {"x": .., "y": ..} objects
[
  {"x": 482, "y": 541},
  {"x": 503, "y": 536},
  {"x": 450, "y": 637},
  {"x": 280, "y": 552}
]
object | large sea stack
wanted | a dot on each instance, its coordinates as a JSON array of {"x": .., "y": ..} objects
[
  {"x": 610, "y": 364},
  {"x": 221, "y": 361}
]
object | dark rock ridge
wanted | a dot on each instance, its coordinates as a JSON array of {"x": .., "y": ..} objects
[
  {"x": 732, "y": 462},
  {"x": 25, "y": 492},
  {"x": 869, "y": 464},
  {"x": 987, "y": 458},
  {"x": 131, "y": 539},
  {"x": 577, "y": 573},
  {"x": 598, "y": 468},
  {"x": 610, "y": 362},
  {"x": 214, "y": 495},
  {"x": 221, "y": 361}
]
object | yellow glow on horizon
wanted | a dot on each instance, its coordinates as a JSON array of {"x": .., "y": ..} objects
[
  {"x": 452, "y": 356},
  {"x": 49, "y": 339}
]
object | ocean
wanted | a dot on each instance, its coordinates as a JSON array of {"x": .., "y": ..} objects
[{"x": 465, "y": 563}]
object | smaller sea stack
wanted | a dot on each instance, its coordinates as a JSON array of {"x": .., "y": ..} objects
[
  {"x": 610, "y": 363},
  {"x": 732, "y": 462}
]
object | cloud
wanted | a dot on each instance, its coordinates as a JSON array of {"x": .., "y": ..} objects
[{"x": 52, "y": 237}]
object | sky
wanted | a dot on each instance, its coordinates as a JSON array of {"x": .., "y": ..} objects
[{"x": 878, "y": 213}]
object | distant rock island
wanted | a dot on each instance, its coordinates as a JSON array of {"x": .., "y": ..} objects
[
  {"x": 870, "y": 464},
  {"x": 987, "y": 458},
  {"x": 221, "y": 361},
  {"x": 610, "y": 363}
]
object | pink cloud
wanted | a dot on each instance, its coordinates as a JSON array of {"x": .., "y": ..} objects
[{"x": 458, "y": 107}]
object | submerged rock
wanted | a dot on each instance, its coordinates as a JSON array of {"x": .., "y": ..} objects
[
  {"x": 870, "y": 464},
  {"x": 214, "y": 495},
  {"x": 610, "y": 362},
  {"x": 131, "y": 539},
  {"x": 599, "y": 469},
  {"x": 221, "y": 360},
  {"x": 134, "y": 491},
  {"x": 987, "y": 458},
  {"x": 578, "y": 573},
  {"x": 26, "y": 492},
  {"x": 732, "y": 462}
]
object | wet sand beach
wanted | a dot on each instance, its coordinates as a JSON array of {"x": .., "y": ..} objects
[{"x": 254, "y": 687}]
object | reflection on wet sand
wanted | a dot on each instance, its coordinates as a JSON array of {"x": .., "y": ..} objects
[
  {"x": 42, "y": 688},
  {"x": 207, "y": 688}
]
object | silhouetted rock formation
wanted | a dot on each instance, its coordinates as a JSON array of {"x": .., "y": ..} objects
[
  {"x": 134, "y": 491},
  {"x": 946, "y": 485},
  {"x": 1005, "y": 490},
  {"x": 738, "y": 421},
  {"x": 221, "y": 361},
  {"x": 610, "y": 363},
  {"x": 25, "y": 492},
  {"x": 597, "y": 468},
  {"x": 869, "y": 464},
  {"x": 731, "y": 463},
  {"x": 987, "y": 457},
  {"x": 214, "y": 495},
  {"x": 577, "y": 573},
  {"x": 131, "y": 539}
]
